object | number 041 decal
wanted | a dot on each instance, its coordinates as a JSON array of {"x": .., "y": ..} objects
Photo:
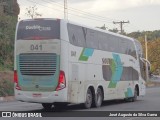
[{"x": 35, "y": 47}]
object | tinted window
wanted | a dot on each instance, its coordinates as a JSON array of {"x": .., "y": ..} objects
[
  {"x": 131, "y": 49},
  {"x": 77, "y": 35},
  {"x": 85, "y": 37},
  {"x": 108, "y": 42},
  {"x": 38, "y": 29},
  {"x": 123, "y": 46},
  {"x": 103, "y": 42},
  {"x": 129, "y": 74},
  {"x": 139, "y": 48},
  {"x": 92, "y": 39},
  {"x": 113, "y": 43}
]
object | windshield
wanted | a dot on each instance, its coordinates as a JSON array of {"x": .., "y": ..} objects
[{"x": 38, "y": 30}]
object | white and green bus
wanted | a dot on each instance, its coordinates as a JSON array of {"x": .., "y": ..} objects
[{"x": 58, "y": 62}]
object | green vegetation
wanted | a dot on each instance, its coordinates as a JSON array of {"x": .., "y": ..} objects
[
  {"x": 6, "y": 83},
  {"x": 151, "y": 35},
  {"x": 6, "y": 88},
  {"x": 7, "y": 33}
]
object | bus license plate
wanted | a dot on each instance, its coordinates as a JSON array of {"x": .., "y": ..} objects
[{"x": 37, "y": 95}]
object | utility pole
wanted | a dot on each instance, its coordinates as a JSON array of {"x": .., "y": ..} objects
[
  {"x": 146, "y": 46},
  {"x": 121, "y": 25},
  {"x": 65, "y": 10}
]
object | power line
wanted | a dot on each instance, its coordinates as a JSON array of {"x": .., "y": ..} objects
[
  {"x": 95, "y": 19},
  {"x": 30, "y": 1},
  {"x": 121, "y": 25},
  {"x": 83, "y": 12},
  {"x": 85, "y": 15},
  {"x": 71, "y": 9}
]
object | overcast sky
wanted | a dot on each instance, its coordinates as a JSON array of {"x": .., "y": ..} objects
[{"x": 142, "y": 14}]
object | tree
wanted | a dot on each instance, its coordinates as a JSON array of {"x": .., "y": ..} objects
[
  {"x": 103, "y": 27},
  {"x": 154, "y": 55},
  {"x": 115, "y": 30},
  {"x": 32, "y": 12},
  {"x": 7, "y": 33}
]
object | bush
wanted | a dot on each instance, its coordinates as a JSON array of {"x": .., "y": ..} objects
[
  {"x": 7, "y": 33},
  {"x": 6, "y": 88}
]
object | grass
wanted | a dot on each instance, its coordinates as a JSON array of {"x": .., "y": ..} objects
[
  {"x": 6, "y": 67},
  {"x": 6, "y": 84},
  {"x": 6, "y": 88}
]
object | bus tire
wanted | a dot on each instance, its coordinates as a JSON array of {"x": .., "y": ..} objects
[
  {"x": 47, "y": 106},
  {"x": 98, "y": 98},
  {"x": 60, "y": 106},
  {"x": 134, "y": 98},
  {"x": 89, "y": 98},
  {"x": 135, "y": 94}
]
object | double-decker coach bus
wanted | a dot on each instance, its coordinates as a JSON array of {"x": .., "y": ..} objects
[{"x": 58, "y": 62}]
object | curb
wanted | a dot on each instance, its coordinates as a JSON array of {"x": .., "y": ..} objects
[
  {"x": 153, "y": 84},
  {"x": 7, "y": 99}
]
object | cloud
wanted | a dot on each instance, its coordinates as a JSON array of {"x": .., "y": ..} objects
[
  {"x": 81, "y": 4},
  {"x": 107, "y": 5},
  {"x": 78, "y": 1}
]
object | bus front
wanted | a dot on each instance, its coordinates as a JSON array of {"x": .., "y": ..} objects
[{"x": 37, "y": 74}]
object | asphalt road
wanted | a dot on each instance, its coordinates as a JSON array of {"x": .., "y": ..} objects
[{"x": 150, "y": 102}]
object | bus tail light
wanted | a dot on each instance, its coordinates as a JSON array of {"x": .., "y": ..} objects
[
  {"x": 62, "y": 81},
  {"x": 15, "y": 77},
  {"x": 16, "y": 80}
]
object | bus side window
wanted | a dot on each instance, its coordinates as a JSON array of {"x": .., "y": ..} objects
[
  {"x": 131, "y": 49},
  {"x": 76, "y": 36},
  {"x": 123, "y": 46},
  {"x": 92, "y": 39},
  {"x": 103, "y": 42}
]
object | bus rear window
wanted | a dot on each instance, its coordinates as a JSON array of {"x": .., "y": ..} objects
[{"x": 38, "y": 30}]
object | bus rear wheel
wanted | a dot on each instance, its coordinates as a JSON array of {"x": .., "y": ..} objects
[
  {"x": 89, "y": 97},
  {"x": 47, "y": 106},
  {"x": 134, "y": 98},
  {"x": 98, "y": 98},
  {"x": 135, "y": 94},
  {"x": 60, "y": 106}
]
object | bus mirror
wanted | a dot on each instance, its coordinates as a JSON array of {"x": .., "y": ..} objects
[
  {"x": 146, "y": 67},
  {"x": 148, "y": 64}
]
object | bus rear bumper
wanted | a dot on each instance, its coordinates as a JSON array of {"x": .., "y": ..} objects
[{"x": 41, "y": 97}]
